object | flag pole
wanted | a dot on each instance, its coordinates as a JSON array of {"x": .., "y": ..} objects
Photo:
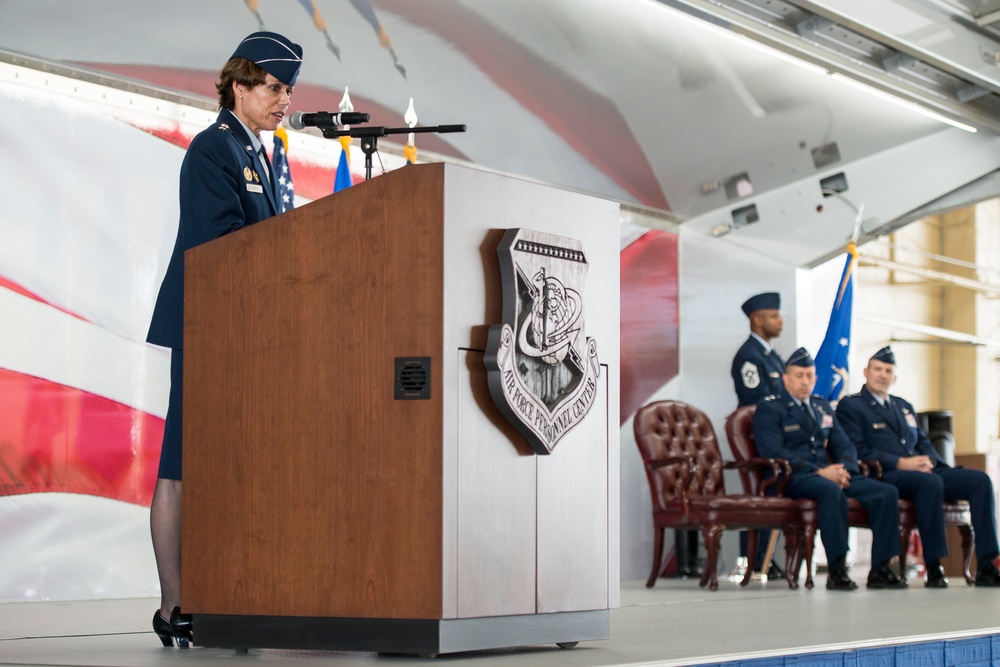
[{"x": 857, "y": 224}]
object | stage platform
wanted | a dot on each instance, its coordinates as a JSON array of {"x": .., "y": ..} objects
[{"x": 676, "y": 623}]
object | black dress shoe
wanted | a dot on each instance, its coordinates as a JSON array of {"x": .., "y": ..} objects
[
  {"x": 988, "y": 575},
  {"x": 883, "y": 577},
  {"x": 839, "y": 581},
  {"x": 935, "y": 576},
  {"x": 775, "y": 571}
]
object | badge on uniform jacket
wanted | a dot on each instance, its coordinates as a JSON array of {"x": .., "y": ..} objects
[
  {"x": 750, "y": 375},
  {"x": 827, "y": 421},
  {"x": 911, "y": 421}
]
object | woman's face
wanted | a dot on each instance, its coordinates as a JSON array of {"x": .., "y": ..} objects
[{"x": 262, "y": 107}]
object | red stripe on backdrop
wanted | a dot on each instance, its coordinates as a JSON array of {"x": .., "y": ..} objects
[
  {"x": 20, "y": 289},
  {"x": 57, "y": 438},
  {"x": 311, "y": 180},
  {"x": 308, "y": 97},
  {"x": 649, "y": 318}
]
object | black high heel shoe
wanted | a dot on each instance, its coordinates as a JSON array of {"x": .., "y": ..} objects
[
  {"x": 163, "y": 629},
  {"x": 181, "y": 624},
  {"x": 177, "y": 628}
]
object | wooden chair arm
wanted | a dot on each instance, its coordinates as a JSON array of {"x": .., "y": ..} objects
[{"x": 776, "y": 466}]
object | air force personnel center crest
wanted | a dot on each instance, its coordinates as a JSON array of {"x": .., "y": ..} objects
[{"x": 542, "y": 370}]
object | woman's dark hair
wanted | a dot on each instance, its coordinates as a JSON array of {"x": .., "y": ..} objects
[{"x": 242, "y": 71}]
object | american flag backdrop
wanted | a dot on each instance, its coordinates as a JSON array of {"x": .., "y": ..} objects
[
  {"x": 85, "y": 244},
  {"x": 86, "y": 231}
]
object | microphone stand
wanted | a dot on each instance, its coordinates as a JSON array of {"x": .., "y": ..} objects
[{"x": 369, "y": 137}]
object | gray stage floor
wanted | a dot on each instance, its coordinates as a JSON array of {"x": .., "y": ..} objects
[{"x": 676, "y": 623}]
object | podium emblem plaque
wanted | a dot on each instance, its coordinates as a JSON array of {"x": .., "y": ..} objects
[{"x": 542, "y": 369}]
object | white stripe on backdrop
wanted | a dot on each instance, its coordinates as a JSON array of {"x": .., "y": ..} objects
[{"x": 87, "y": 224}]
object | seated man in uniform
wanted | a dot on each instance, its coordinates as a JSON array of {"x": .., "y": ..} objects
[
  {"x": 885, "y": 427},
  {"x": 801, "y": 428},
  {"x": 756, "y": 372}
]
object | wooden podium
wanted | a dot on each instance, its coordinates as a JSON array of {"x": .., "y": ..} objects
[{"x": 348, "y": 482}]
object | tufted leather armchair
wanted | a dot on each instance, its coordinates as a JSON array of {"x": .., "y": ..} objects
[
  {"x": 739, "y": 432},
  {"x": 684, "y": 468}
]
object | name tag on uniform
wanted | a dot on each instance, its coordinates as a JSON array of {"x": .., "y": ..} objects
[
  {"x": 774, "y": 375},
  {"x": 827, "y": 421},
  {"x": 911, "y": 421},
  {"x": 792, "y": 427},
  {"x": 253, "y": 187},
  {"x": 878, "y": 425}
]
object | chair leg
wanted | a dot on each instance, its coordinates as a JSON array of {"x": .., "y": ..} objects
[
  {"x": 792, "y": 549},
  {"x": 968, "y": 541},
  {"x": 657, "y": 556},
  {"x": 808, "y": 542},
  {"x": 752, "y": 537},
  {"x": 799, "y": 556},
  {"x": 904, "y": 547},
  {"x": 713, "y": 536}
]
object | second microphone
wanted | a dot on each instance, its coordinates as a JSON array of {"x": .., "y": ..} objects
[{"x": 321, "y": 119}]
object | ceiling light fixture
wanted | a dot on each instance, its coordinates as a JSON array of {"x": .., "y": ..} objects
[
  {"x": 901, "y": 102},
  {"x": 741, "y": 39},
  {"x": 723, "y": 18}
]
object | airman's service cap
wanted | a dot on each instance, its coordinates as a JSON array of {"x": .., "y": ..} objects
[
  {"x": 885, "y": 355},
  {"x": 273, "y": 53},
  {"x": 770, "y": 300},
  {"x": 800, "y": 357}
]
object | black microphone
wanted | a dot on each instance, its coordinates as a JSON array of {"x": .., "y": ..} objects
[{"x": 299, "y": 120}]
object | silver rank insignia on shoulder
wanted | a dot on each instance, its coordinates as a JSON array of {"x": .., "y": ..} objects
[{"x": 223, "y": 126}]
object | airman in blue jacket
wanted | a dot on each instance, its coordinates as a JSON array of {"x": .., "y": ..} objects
[{"x": 885, "y": 427}]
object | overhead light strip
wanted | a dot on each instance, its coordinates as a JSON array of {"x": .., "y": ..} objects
[
  {"x": 739, "y": 38},
  {"x": 854, "y": 83},
  {"x": 713, "y": 17}
]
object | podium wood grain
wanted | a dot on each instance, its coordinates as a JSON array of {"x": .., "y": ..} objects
[{"x": 299, "y": 320}]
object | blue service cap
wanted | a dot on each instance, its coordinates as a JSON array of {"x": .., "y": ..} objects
[
  {"x": 273, "y": 53},
  {"x": 885, "y": 355},
  {"x": 800, "y": 357},
  {"x": 770, "y": 300}
]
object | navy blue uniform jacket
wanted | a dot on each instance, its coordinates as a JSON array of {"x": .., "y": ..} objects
[
  {"x": 886, "y": 435},
  {"x": 221, "y": 190},
  {"x": 756, "y": 374},
  {"x": 781, "y": 429}
]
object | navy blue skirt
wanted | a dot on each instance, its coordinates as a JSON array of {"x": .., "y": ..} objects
[{"x": 170, "y": 452}]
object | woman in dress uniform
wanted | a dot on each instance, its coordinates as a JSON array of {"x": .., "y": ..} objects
[{"x": 225, "y": 184}]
